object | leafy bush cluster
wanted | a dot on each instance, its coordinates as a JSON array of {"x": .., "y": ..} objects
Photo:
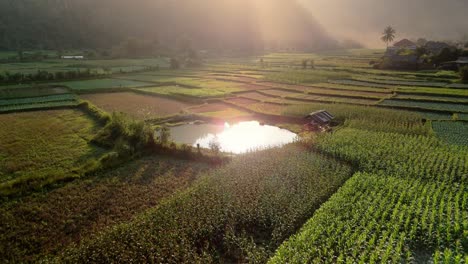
[{"x": 127, "y": 137}]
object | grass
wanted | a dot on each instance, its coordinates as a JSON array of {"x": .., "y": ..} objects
[
  {"x": 39, "y": 148},
  {"x": 238, "y": 213}
]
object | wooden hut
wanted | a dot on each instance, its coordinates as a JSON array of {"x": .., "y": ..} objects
[{"x": 319, "y": 120}]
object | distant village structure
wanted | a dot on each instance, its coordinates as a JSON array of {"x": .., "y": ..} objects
[
  {"x": 408, "y": 55},
  {"x": 73, "y": 57}
]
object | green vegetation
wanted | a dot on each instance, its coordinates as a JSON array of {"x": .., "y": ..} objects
[
  {"x": 240, "y": 212},
  {"x": 96, "y": 84},
  {"x": 452, "y": 132},
  {"x": 368, "y": 118},
  {"x": 190, "y": 92},
  {"x": 441, "y": 106},
  {"x": 303, "y": 76},
  {"x": 406, "y": 156},
  {"x": 38, "y": 149},
  {"x": 43, "y": 224},
  {"x": 381, "y": 219},
  {"x": 464, "y": 74},
  {"x": 84, "y": 185}
]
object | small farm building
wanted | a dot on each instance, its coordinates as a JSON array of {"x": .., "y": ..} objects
[{"x": 320, "y": 118}]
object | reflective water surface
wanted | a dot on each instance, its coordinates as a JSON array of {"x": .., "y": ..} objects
[{"x": 237, "y": 138}]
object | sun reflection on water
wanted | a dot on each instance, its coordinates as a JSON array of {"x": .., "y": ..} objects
[{"x": 237, "y": 138}]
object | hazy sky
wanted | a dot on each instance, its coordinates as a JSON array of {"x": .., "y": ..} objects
[{"x": 364, "y": 20}]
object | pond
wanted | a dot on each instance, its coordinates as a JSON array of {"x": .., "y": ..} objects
[{"x": 237, "y": 138}]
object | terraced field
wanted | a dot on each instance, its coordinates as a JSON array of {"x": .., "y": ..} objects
[
  {"x": 441, "y": 106},
  {"x": 41, "y": 102},
  {"x": 190, "y": 92},
  {"x": 137, "y": 105},
  {"x": 96, "y": 84},
  {"x": 402, "y": 171}
]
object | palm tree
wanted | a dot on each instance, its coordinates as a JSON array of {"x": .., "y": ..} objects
[{"x": 388, "y": 35}]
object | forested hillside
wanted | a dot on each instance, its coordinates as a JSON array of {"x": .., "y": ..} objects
[{"x": 233, "y": 24}]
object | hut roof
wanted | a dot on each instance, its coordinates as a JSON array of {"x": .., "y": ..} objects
[
  {"x": 321, "y": 117},
  {"x": 404, "y": 43}
]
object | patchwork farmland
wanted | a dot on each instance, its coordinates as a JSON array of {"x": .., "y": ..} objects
[{"x": 89, "y": 171}]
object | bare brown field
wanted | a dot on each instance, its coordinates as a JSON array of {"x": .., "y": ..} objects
[{"x": 136, "y": 105}]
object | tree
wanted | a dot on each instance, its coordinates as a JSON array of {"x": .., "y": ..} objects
[
  {"x": 174, "y": 64},
  {"x": 388, "y": 35},
  {"x": 215, "y": 145},
  {"x": 304, "y": 64},
  {"x": 164, "y": 135}
]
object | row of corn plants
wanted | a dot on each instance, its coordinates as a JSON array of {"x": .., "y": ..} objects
[
  {"x": 41, "y": 99},
  {"x": 239, "y": 213},
  {"x": 38, "y": 105},
  {"x": 369, "y": 118},
  {"x": 382, "y": 219},
  {"x": 407, "y": 156},
  {"x": 452, "y": 132}
]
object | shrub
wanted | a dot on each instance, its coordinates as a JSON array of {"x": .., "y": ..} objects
[{"x": 125, "y": 135}]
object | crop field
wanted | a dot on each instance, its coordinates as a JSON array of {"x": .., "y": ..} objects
[
  {"x": 100, "y": 181},
  {"x": 441, "y": 106},
  {"x": 218, "y": 110},
  {"x": 89, "y": 85},
  {"x": 9, "y": 93},
  {"x": 304, "y": 76},
  {"x": 335, "y": 99},
  {"x": 137, "y": 105},
  {"x": 255, "y": 96},
  {"x": 159, "y": 79},
  {"x": 99, "y": 66},
  {"x": 60, "y": 144},
  {"x": 382, "y": 219},
  {"x": 452, "y": 132},
  {"x": 190, "y": 92},
  {"x": 394, "y": 154},
  {"x": 432, "y": 91},
  {"x": 432, "y": 98},
  {"x": 272, "y": 191},
  {"x": 52, "y": 220}
]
